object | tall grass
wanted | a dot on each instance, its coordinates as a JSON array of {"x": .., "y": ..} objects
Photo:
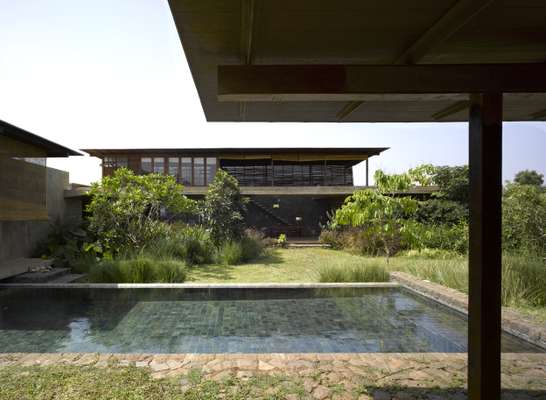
[
  {"x": 354, "y": 273},
  {"x": 523, "y": 277},
  {"x": 138, "y": 270}
]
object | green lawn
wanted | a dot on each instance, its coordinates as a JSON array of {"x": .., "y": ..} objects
[{"x": 303, "y": 265}]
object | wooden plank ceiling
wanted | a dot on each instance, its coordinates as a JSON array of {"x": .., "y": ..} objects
[{"x": 310, "y": 32}]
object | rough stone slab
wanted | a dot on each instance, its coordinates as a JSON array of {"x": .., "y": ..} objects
[
  {"x": 513, "y": 322},
  {"x": 9, "y": 268}
]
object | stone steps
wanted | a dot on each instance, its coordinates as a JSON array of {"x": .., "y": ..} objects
[
  {"x": 18, "y": 266},
  {"x": 40, "y": 277}
]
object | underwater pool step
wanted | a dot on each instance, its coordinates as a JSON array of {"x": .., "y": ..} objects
[{"x": 308, "y": 246}]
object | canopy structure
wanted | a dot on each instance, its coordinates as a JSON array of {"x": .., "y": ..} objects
[{"x": 481, "y": 61}]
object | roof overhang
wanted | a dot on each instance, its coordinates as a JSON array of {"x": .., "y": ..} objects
[
  {"x": 51, "y": 149},
  {"x": 328, "y": 61}
]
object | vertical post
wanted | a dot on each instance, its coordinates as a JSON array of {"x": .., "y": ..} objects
[
  {"x": 484, "y": 308},
  {"x": 367, "y": 173}
]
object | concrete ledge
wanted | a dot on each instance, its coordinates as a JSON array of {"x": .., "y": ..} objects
[
  {"x": 513, "y": 322},
  {"x": 201, "y": 285}
]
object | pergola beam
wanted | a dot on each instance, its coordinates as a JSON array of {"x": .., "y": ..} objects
[
  {"x": 450, "y": 110},
  {"x": 453, "y": 20},
  {"x": 354, "y": 82}
]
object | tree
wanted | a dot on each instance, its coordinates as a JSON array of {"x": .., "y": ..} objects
[
  {"x": 381, "y": 214},
  {"x": 524, "y": 218},
  {"x": 453, "y": 183},
  {"x": 529, "y": 177},
  {"x": 223, "y": 208},
  {"x": 125, "y": 209}
]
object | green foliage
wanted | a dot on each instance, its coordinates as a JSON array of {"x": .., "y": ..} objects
[
  {"x": 439, "y": 211},
  {"x": 354, "y": 273},
  {"x": 524, "y": 218},
  {"x": 380, "y": 216},
  {"x": 223, "y": 208},
  {"x": 189, "y": 243},
  {"x": 282, "y": 241},
  {"x": 250, "y": 247},
  {"x": 125, "y": 209},
  {"x": 453, "y": 183},
  {"x": 230, "y": 253},
  {"x": 65, "y": 245},
  {"x": 138, "y": 270},
  {"x": 529, "y": 177},
  {"x": 445, "y": 237}
]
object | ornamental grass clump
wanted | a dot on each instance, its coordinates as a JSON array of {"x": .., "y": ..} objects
[
  {"x": 354, "y": 273},
  {"x": 138, "y": 270}
]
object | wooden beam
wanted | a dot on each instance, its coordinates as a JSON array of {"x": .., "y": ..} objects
[
  {"x": 453, "y": 20},
  {"x": 484, "y": 306},
  {"x": 347, "y": 109},
  {"x": 247, "y": 31},
  {"x": 452, "y": 109},
  {"x": 354, "y": 82},
  {"x": 539, "y": 114}
]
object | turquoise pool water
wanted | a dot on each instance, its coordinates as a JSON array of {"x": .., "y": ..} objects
[{"x": 230, "y": 321}]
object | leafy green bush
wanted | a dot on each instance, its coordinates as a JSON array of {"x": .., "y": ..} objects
[
  {"x": 282, "y": 241},
  {"x": 524, "y": 218},
  {"x": 354, "y": 273},
  {"x": 332, "y": 237},
  {"x": 453, "y": 183},
  {"x": 438, "y": 211},
  {"x": 125, "y": 210},
  {"x": 529, "y": 177},
  {"x": 223, "y": 208},
  {"x": 253, "y": 245},
  {"x": 230, "y": 253},
  {"x": 138, "y": 270},
  {"x": 445, "y": 237},
  {"x": 190, "y": 243}
]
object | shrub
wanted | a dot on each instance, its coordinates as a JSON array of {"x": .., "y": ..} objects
[
  {"x": 437, "y": 211},
  {"x": 253, "y": 245},
  {"x": 125, "y": 209},
  {"x": 282, "y": 241},
  {"x": 138, "y": 270},
  {"x": 332, "y": 237},
  {"x": 453, "y": 183},
  {"x": 529, "y": 177},
  {"x": 444, "y": 237},
  {"x": 192, "y": 244},
  {"x": 223, "y": 208},
  {"x": 524, "y": 218},
  {"x": 230, "y": 253},
  {"x": 355, "y": 273}
]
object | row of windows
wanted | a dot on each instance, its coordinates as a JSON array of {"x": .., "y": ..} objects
[{"x": 191, "y": 171}]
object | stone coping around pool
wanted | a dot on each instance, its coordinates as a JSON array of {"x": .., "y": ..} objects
[
  {"x": 319, "y": 373},
  {"x": 201, "y": 285},
  {"x": 513, "y": 322}
]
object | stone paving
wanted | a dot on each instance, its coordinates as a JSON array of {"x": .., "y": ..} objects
[{"x": 359, "y": 376}]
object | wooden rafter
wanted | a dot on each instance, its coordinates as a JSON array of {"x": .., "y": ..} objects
[
  {"x": 450, "y": 110},
  {"x": 539, "y": 114},
  {"x": 453, "y": 20}
]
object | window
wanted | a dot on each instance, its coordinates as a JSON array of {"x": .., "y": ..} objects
[
  {"x": 199, "y": 171},
  {"x": 159, "y": 165},
  {"x": 146, "y": 165},
  {"x": 211, "y": 169},
  {"x": 186, "y": 171},
  {"x": 173, "y": 167},
  {"x": 114, "y": 162}
]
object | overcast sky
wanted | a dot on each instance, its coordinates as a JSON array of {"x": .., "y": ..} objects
[{"x": 107, "y": 74}]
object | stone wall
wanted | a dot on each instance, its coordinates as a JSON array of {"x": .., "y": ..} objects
[{"x": 19, "y": 238}]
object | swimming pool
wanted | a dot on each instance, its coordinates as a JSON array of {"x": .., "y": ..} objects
[{"x": 230, "y": 321}]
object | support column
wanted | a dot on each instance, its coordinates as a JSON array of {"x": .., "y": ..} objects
[{"x": 484, "y": 308}]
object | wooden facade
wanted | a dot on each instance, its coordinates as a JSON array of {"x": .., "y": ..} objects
[{"x": 251, "y": 167}]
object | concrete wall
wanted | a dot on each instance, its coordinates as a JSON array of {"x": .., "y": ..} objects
[{"x": 20, "y": 238}]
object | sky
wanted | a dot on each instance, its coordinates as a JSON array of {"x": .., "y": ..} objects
[{"x": 112, "y": 74}]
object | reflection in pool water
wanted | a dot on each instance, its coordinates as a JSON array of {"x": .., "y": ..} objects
[{"x": 230, "y": 321}]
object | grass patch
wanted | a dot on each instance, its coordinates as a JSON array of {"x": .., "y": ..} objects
[
  {"x": 138, "y": 270},
  {"x": 131, "y": 383},
  {"x": 354, "y": 273}
]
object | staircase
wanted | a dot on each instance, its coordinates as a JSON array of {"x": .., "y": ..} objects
[
  {"x": 35, "y": 270},
  {"x": 267, "y": 211}
]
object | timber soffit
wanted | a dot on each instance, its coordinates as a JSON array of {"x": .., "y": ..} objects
[{"x": 359, "y": 32}]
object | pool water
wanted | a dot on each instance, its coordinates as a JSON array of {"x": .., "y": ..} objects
[{"x": 230, "y": 321}]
